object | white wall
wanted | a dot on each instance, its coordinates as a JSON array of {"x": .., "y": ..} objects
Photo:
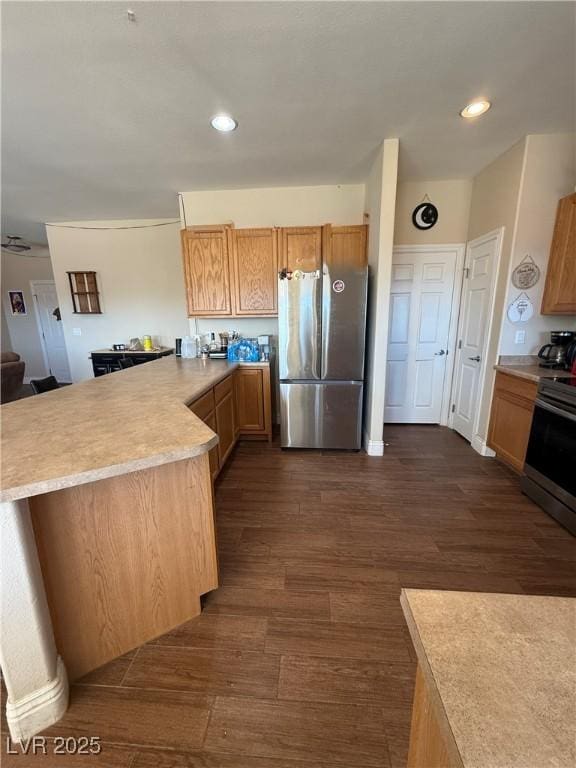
[
  {"x": 549, "y": 174},
  {"x": 17, "y": 272},
  {"x": 269, "y": 207},
  {"x": 140, "y": 278},
  {"x": 276, "y": 206},
  {"x": 494, "y": 204},
  {"x": 451, "y": 197},
  {"x": 380, "y": 206},
  {"x": 5, "y": 340}
]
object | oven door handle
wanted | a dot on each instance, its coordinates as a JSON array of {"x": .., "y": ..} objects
[{"x": 557, "y": 411}]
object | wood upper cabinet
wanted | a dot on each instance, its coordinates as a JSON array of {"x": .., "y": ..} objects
[
  {"x": 255, "y": 271},
  {"x": 511, "y": 418},
  {"x": 206, "y": 271},
  {"x": 560, "y": 288},
  {"x": 345, "y": 246},
  {"x": 300, "y": 248}
]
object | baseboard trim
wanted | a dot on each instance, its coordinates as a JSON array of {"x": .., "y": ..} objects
[
  {"x": 40, "y": 709},
  {"x": 373, "y": 447},
  {"x": 479, "y": 445}
]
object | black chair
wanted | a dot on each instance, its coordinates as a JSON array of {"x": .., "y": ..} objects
[
  {"x": 125, "y": 362},
  {"x": 44, "y": 385}
]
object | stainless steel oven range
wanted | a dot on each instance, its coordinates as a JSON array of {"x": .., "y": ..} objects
[{"x": 550, "y": 468}]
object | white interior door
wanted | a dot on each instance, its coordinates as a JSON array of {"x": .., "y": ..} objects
[
  {"x": 420, "y": 309},
  {"x": 46, "y": 299},
  {"x": 482, "y": 257}
]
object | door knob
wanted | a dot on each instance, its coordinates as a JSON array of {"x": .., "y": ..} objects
[
  {"x": 442, "y": 352},
  {"x": 476, "y": 359}
]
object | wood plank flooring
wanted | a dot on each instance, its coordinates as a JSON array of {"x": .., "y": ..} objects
[{"x": 302, "y": 658}]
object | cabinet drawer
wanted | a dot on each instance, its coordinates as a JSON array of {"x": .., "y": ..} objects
[
  {"x": 514, "y": 385},
  {"x": 203, "y": 406},
  {"x": 223, "y": 388}
]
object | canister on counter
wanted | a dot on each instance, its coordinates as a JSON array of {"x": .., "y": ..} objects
[{"x": 147, "y": 343}]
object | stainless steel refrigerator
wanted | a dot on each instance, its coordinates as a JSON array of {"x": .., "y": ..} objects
[{"x": 321, "y": 338}]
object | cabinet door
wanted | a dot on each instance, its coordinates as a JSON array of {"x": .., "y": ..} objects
[
  {"x": 235, "y": 401},
  {"x": 225, "y": 426},
  {"x": 210, "y": 421},
  {"x": 206, "y": 271},
  {"x": 560, "y": 288},
  {"x": 345, "y": 247},
  {"x": 250, "y": 391},
  {"x": 301, "y": 248},
  {"x": 255, "y": 261}
]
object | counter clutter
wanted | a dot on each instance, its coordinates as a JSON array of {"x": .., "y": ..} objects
[{"x": 496, "y": 680}]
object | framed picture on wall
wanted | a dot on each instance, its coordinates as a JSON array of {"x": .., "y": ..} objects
[{"x": 17, "y": 302}]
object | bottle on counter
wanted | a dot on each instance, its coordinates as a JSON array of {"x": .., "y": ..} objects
[
  {"x": 188, "y": 347},
  {"x": 147, "y": 343}
]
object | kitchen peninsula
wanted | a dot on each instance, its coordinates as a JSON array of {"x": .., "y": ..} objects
[
  {"x": 107, "y": 516},
  {"x": 495, "y": 684}
]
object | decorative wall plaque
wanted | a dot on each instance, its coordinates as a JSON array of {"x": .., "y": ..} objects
[
  {"x": 521, "y": 309},
  {"x": 425, "y": 215},
  {"x": 526, "y": 274}
]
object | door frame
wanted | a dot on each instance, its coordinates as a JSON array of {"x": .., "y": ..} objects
[
  {"x": 460, "y": 251},
  {"x": 478, "y": 443},
  {"x": 33, "y": 284}
]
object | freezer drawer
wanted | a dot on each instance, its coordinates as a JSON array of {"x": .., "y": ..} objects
[{"x": 321, "y": 415}]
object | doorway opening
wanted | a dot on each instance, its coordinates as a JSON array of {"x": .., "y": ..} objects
[
  {"x": 441, "y": 316},
  {"x": 50, "y": 329}
]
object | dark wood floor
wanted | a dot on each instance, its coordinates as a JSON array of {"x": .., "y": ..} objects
[{"x": 302, "y": 658}]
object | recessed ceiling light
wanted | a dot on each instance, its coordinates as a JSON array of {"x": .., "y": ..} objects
[
  {"x": 223, "y": 123},
  {"x": 476, "y": 108}
]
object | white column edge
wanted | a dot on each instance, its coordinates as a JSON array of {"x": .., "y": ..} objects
[
  {"x": 39, "y": 709},
  {"x": 479, "y": 445}
]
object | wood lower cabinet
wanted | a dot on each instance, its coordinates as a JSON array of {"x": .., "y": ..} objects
[
  {"x": 255, "y": 271},
  {"x": 214, "y": 454},
  {"x": 254, "y": 402},
  {"x": 427, "y": 746},
  {"x": 207, "y": 271},
  {"x": 511, "y": 418},
  {"x": 300, "y": 248},
  {"x": 225, "y": 427},
  {"x": 240, "y": 405},
  {"x": 560, "y": 289}
]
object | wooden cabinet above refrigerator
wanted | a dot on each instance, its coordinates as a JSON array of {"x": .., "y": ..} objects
[{"x": 233, "y": 272}]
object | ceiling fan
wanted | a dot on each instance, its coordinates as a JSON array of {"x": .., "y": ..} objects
[{"x": 15, "y": 244}]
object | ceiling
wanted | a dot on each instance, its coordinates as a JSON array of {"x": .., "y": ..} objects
[{"x": 104, "y": 118}]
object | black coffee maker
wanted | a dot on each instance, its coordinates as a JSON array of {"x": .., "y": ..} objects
[{"x": 553, "y": 355}]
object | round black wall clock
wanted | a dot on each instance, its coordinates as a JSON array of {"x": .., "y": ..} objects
[{"x": 425, "y": 216}]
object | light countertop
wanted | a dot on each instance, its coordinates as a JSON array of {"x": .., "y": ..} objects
[
  {"x": 501, "y": 672},
  {"x": 532, "y": 372},
  {"x": 106, "y": 426}
]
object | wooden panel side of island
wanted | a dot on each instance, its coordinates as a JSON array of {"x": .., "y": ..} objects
[{"x": 125, "y": 559}]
